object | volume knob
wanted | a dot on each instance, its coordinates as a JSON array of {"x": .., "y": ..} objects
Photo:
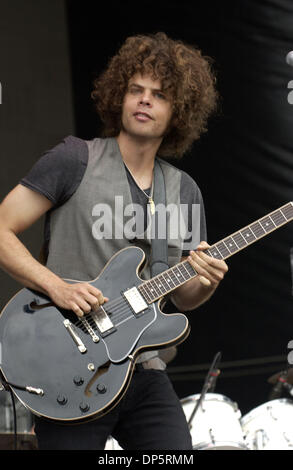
[
  {"x": 101, "y": 388},
  {"x": 62, "y": 399},
  {"x": 78, "y": 380},
  {"x": 84, "y": 407}
]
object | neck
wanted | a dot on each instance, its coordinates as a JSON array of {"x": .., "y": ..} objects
[{"x": 138, "y": 154}]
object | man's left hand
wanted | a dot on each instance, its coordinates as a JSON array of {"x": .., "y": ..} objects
[{"x": 211, "y": 271}]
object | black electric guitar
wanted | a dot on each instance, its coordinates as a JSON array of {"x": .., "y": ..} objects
[{"x": 71, "y": 369}]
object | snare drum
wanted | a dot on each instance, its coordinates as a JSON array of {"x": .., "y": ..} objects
[
  {"x": 216, "y": 423},
  {"x": 269, "y": 426}
]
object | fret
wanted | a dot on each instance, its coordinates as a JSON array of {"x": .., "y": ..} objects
[
  {"x": 174, "y": 278},
  {"x": 231, "y": 245},
  {"x": 239, "y": 240},
  {"x": 169, "y": 279},
  {"x": 229, "y": 251},
  {"x": 287, "y": 211},
  {"x": 153, "y": 287},
  {"x": 191, "y": 271},
  {"x": 247, "y": 235},
  {"x": 178, "y": 274},
  {"x": 272, "y": 220},
  {"x": 159, "y": 285},
  {"x": 267, "y": 224},
  {"x": 164, "y": 282},
  {"x": 144, "y": 291},
  {"x": 257, "y": 229},
  {"x": 215, "y": 252},
  {"x": 184, "y": 271},
  {"x": 223, "y": 249},
  {"x": 278, "y": 218}
]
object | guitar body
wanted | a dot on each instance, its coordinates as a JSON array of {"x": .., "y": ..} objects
[{"x": 37, "y": 349}]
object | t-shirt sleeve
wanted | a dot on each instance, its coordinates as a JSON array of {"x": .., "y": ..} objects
[
  {"x": 190, "y": 196},
  {"x": 59, "y": 171}
]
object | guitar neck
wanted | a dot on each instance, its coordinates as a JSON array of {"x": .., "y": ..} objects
[{"x": 166, "y": 282}]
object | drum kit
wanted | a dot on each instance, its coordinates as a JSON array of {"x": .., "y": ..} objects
[{"x": 218, "y": 424}]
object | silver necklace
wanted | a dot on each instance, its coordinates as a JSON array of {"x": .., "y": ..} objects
[{"x": 150, "y": 198}]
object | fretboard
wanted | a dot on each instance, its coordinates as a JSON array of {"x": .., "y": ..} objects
[{"x": 166, "y": 282}]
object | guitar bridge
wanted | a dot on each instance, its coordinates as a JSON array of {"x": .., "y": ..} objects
[{"x": 135, "y": 300}]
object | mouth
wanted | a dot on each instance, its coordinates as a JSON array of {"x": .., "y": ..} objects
[{"x": 141, "y": 116}]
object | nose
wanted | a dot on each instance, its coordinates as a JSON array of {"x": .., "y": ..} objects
[{"x": 145, "y": 99}]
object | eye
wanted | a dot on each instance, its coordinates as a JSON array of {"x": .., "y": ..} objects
[
  {"x": 160, "y": 95},
  {"x": 134, "y": 90}
]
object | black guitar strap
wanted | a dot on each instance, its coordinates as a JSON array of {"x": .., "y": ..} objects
[{"x": 159, "y": 242}]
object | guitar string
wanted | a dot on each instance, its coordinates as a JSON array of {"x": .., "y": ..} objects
[{"x": 119, "y": 308}]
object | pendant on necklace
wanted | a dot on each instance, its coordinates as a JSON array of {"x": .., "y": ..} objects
[{"x": 152, "y": 205}]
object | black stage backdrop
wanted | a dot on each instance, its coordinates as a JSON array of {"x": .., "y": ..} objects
[{"x": 243, "y": 165}]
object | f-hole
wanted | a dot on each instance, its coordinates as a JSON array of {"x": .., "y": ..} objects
[{"x": 101, "y": 371}]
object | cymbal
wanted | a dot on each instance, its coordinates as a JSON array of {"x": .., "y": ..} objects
[{"x": 288, "y": 374}]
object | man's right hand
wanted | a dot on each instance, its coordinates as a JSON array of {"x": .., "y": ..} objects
[
  {"x": 18, "y": 211},
  {"x": 81, "y": 297}
]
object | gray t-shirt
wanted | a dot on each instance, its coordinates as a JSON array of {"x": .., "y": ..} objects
[{"x": 58, "y": 173}]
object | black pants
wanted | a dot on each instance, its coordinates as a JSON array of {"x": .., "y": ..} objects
[{"x": 149, "y": 417}]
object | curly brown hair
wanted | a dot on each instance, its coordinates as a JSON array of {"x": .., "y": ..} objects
[{"x": 184, "y": 73}]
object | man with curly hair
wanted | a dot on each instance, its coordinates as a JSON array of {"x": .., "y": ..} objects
[{"x": 154, "y": 100}]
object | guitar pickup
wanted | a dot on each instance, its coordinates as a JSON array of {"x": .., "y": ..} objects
[
  {"x": 135, "y": 300},
  {"x": 103, "y": 322}
]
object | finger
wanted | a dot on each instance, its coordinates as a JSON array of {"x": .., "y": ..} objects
[
  {"x": 204, "y": 281},
  {"x": 77, "y": 310},
  {"x": 83, "y": 305},
  {"x": 93, "y": 301},
  {"x": 218, "y": 264},
  {"x": 97, "y": 294},
  {"x": 203, "y": 246},
  {"x": 205, "y": 269}
]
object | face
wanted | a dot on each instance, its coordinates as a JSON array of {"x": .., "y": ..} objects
[{"x": 147, "y": 110}]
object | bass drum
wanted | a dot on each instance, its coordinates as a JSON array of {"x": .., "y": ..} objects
[
  {"x": 269, "y": 426},
  {"x": 216, "y": 423}
]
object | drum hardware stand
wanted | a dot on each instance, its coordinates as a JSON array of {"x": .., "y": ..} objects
[
  {"x": 282, "y": 382},
  {"x": 209, "y": 384}
]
